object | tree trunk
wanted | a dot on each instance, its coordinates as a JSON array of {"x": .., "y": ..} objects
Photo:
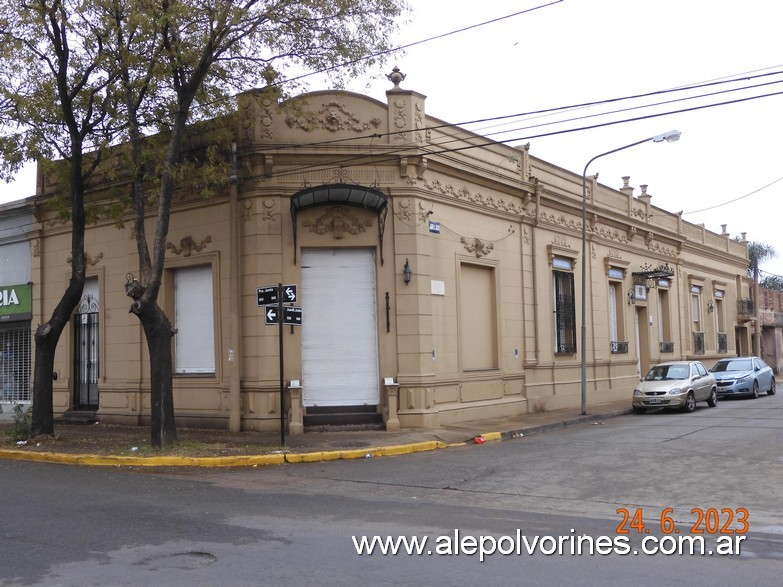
[
  {"x": 43, "y": 403},
  {"x": 158, "y": 333}
]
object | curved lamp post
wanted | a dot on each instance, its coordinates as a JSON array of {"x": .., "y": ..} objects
[{"x": 670, "y": 137}]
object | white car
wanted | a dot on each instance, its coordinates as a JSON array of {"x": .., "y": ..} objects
[{"x": 677, "y": 384}]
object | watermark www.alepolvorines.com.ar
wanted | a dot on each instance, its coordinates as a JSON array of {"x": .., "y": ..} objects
[{"x": 520, "y": 544}]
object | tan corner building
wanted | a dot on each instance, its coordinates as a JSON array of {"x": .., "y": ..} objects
[{"x": 439, "y": 276}]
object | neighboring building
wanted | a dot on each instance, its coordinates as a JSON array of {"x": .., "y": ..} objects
[
  {"x": 16, "y": 294},
  {"x": 438, "y": 274},
  {"x": 771, "y": 311}
]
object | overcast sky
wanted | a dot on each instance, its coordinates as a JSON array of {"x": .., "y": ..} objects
[{"x": 726, "y": 169}]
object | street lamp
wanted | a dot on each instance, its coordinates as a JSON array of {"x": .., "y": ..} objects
[{"x": 670, "y": 137}]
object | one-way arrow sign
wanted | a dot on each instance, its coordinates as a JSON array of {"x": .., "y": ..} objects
[
  {"x": 291, "y": 315},
  {"x": 268, "y": 295}
]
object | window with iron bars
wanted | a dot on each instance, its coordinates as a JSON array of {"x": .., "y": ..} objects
[
  {"x": 565, "y": 313},
  {"x": 723, "y": 343},
  {"x": 698, "y": 343},
  {"x": 15, "y": 344}
]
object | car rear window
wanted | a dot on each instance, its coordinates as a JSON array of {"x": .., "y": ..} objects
[
  {"x": 738, "y": 365},
  {"x": 663, "y": 372}
]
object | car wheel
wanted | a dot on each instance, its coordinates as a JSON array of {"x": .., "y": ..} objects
[
  {"x": 712, "y": 401},
  {"x": 690, "y": 402},
  {"x": 772, "y": 388},
  {"x": 755, "y": 393}
]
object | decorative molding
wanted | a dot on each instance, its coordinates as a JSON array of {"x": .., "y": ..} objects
[
  {"x": 333, "y": 116},
  {"x": 611, "y": 234},
  {"x": 664, "y": 250},
  {"x": 525, "y": 236},
  {"x": 560, "y": 241},
  {"x": 465, "y": 195},
  {"x": 35, "y": 247},
  {"x": 338, "y": 221},
  {"x": 477, "y": 246},
  {"x": 187, "y": 246},
  {"x": 399, "y": 119},
  {"x": 561, "y": 220}
]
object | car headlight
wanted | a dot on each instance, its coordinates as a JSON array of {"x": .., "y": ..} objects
[
  {"x": 743, "y": 379},
  {"x": 675, "y": 391},
  {"x": 637, "y": 392}
]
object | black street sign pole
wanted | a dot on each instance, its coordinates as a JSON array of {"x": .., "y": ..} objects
[{"x": 282, "y": 386}]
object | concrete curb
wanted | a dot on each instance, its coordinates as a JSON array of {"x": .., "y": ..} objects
[{"x": 294, "y": 457}]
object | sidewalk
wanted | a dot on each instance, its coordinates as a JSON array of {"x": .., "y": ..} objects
[{"x": 317, "y": 446}]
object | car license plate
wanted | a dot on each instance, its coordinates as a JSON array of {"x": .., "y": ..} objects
[{"x": 655, "y": 400}]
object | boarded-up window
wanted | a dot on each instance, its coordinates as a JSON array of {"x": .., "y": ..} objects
[
  {"x": 478, "y": 318},
  {"x": 194, "y": 319}
]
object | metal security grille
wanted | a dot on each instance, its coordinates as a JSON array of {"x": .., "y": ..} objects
[
  {"x": 15, "y": 344},
  {"x": 565, "y": 313},
  {"x": 86, "y": 360},
  {"x": 698, "y": 343}
]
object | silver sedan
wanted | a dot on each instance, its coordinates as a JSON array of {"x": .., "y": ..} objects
[{"x": 677, "y": 384}]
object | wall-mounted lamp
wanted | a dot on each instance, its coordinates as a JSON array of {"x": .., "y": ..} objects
[
  {"x": 710, "y": 306},
  {"x": 407, "y": 272}
]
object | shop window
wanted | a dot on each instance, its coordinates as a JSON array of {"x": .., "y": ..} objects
[{"x": 15, "y": 342}]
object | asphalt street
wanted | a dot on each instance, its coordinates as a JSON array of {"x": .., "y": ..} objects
[{"x": 295, "y": 523}]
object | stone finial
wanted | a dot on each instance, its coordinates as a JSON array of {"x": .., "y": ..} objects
[
  {"x": 723, "y": 229},
  {"x": 643, "y": 187},
  {"x": 396, "y": 76}
]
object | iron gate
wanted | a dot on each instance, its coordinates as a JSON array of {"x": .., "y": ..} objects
[{"x": 86, "y": 364}]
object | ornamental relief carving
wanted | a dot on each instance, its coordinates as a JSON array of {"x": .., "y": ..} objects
[
  {"x": 477, "y": 246},
  {"x": 268, "y": 211},
  {"x": 466, "y": 195},
  {"x": 258, "y": 112},
  {"x": 664, "y": 250},
  {"x": 88, "y": 259},
  {"x": 399, "y": 119},
  {"x": 592, "y": 228},
  {"x": 187, "y": 246},
  {"x": 407, "y": 214},
  {"x": 338, "y": 221},
  {"x": 333, "y": 116}
]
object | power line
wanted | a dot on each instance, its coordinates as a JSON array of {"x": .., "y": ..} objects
[
  {"x": 736, "y": 199},
  {"x": 415, "y": 43}
]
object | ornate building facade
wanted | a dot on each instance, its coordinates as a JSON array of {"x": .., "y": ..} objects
[{"x": 437, "y": 272}]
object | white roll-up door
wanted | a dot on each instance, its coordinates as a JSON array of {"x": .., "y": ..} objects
[{"x": 339, "y": 332}]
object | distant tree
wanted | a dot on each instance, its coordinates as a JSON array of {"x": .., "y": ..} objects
[
  {"x": 758, "y": 253},
  {"x": 772, "y": 282},
  {"x": 110, "y": 72}
]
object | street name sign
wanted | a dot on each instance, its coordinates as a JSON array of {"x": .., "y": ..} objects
[
  {"x": 291, "y": 315},
  {"x": 268, "y": 295}
]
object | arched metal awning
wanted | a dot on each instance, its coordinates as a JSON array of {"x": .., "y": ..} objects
[{"x": 341, "y": 194}]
